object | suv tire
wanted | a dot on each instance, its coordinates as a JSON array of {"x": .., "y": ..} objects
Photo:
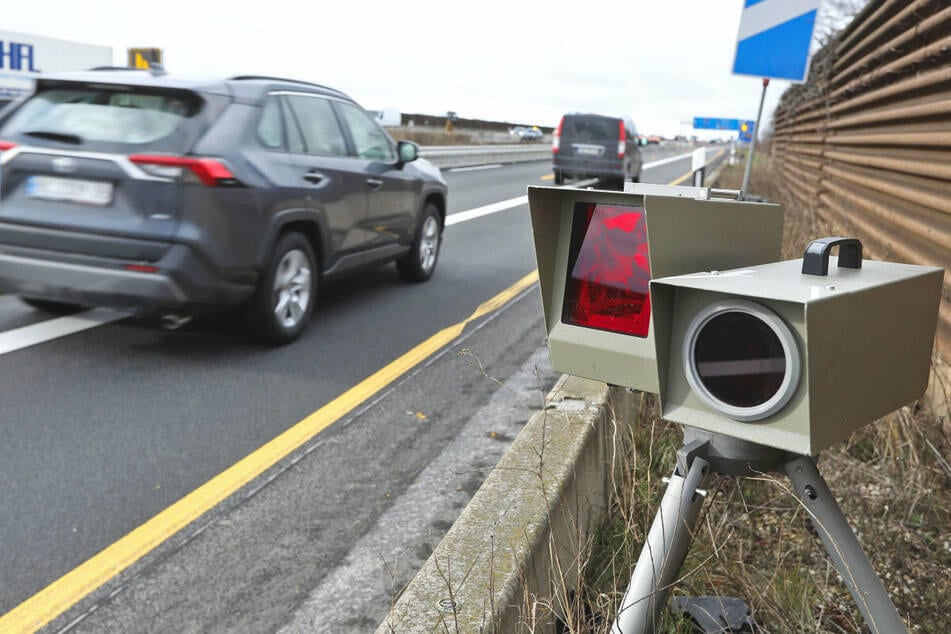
[
  {"x": 419, "y": 264},
  {"x": 284, "y": 300}
]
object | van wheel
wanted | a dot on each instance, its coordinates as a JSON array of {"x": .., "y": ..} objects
[
  {"x": 51, "y": 307},
  {"x": 419, "y": 264},
  {"x": 284, "y": 300}
]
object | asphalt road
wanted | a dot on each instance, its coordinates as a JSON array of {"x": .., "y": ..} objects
[{"x": 107, "y": 429}]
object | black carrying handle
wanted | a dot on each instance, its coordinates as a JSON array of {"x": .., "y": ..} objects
[{"x": 815, "y": 260}]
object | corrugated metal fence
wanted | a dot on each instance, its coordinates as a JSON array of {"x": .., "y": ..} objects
[{"x": 867, "y": 140}]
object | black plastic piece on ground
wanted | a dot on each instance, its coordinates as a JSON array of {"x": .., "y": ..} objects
[{"x": 716, "y": 615}]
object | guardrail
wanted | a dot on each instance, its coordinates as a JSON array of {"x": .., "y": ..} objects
[
  {"x": 467, "y": 155},
  {"x": 867, "y": 141}
]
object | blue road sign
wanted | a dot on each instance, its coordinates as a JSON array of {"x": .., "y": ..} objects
[
  {"x": 710, "y": 123},
  {"x": 746, "y": 131},
  {"x": 774, "y": 38}
]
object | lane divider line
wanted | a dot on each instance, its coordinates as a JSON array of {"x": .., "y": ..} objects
[
  {"x": 669, "y": 159},
  {"x": 63, "y": 593},
  {"x": 475, "y": 168},
  {"x": 485, "y": 210},
  {"x": 27, "y": 336},
  {"x": 681, "y": 179}
]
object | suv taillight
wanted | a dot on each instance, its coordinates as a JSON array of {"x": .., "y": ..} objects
[
  {"x": 208, "y": 171},
  {"x": 556, "y": 138},
  {"x": 7, "y": 145},
  {"x": 621, "y": 144}
]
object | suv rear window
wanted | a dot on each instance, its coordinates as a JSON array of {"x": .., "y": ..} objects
[
  {"x": 102, "y": 118},
  {"x": 589, "y": 128}
]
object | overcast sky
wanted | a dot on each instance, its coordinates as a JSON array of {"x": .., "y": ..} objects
[{"x": 661, "y": 61}]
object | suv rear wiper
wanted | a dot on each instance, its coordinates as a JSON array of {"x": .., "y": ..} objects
[{"x": 75, "y": 139}]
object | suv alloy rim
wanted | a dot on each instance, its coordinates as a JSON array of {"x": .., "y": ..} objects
[
  {"x": 429, "y": 244},
  {"x": 292, "y": 286}
]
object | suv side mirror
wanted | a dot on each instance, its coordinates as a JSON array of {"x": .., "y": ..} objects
[{"x": 408, "y": 151}]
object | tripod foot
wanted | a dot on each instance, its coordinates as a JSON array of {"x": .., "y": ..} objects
[{"x": 716, "y": 615}]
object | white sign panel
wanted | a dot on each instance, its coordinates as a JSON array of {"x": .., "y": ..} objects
[
  {"x": 23, "y": 57},
  {"x": 774, "y": 38}
]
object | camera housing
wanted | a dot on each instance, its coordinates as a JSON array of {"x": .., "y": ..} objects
[
  {"x": 598, "y": 250},
  {"x": 795, "y": 355}
]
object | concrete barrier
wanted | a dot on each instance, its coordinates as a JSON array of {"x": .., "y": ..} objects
[
  {"x": 469, "y": 155},
  {"x": 512, "y": 556}
]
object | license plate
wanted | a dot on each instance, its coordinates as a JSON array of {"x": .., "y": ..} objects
[
  {"x": 589, "y": 150},
  {"x": 69, "y": 189}
]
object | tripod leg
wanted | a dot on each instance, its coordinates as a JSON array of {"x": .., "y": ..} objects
[
  {"x": 843, "y": 547},
  {"x": 663, "y": 552}
]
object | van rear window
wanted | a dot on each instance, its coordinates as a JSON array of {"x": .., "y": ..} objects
[
  {"x": 584, "y": 129},
  {"x": 107, "y": 119}
]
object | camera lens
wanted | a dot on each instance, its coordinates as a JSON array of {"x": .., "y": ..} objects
[{"x": 741, "y": 359}]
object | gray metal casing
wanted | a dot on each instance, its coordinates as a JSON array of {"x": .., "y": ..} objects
[
  {"x": 685, "y": 234},
  {"x": 865, "y": 338}
]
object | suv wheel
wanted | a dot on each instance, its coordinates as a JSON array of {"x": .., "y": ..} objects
[
  {"x": 284, "y": 300},
  {"x": 418, "y": 265},
  {"x": 559, "y": 178}
]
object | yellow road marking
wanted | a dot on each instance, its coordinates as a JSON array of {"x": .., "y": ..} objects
[
  {"x": 678, "y": 181},
  {"x": 548, "y": 177},
  {"x": 60, "y": 595}
]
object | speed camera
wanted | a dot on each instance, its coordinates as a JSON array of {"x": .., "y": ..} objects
[
  {"x": 597, "y": 252},
  {"x": 795, "y": 355}
]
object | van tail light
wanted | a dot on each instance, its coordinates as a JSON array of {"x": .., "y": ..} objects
[
  {"x": 7, "y": 145},
  {"x": 621, "y": 143},
  {"x": 608, "y": 270},
  {"x": 208, "y": 171},
  {"x": 556, "y": 138}
]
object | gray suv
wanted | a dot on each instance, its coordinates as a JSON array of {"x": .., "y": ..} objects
[
  {"x": 596, "y": 146},
  {"x": 170, "y": 196}
]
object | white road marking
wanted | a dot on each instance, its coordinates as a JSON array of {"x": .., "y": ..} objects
[
  {"x": 27, "y": 336},
  {"x": 475, "y": 168},
  {"x": 485, "y": 210},
  {"x": 671, "y": 159}
]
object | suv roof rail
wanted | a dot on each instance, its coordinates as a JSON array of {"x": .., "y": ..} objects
[
  {"x": 115, "y": 68},
  {"x": 285, "y": 79},
  {"x": 154, "y": 69}
]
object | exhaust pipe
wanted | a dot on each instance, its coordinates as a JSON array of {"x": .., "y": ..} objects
[{"x": 171, "y": 321}]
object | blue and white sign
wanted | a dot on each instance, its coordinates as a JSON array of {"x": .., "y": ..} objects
[
  {"x": 774, "y": 38},
  {"x": 712, "y": 123}
]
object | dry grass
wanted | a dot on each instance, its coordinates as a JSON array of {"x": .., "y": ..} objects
[{"x": 892, "y": 480}]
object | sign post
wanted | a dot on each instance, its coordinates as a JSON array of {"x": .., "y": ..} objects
[
  {"x": 749, "y": 157},
  {"x": 773, "y": 43}
]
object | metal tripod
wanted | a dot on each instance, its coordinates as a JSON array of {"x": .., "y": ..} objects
[{"x": 669, "y": 537}]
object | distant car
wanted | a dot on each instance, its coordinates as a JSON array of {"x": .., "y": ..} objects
[
  {"x": 596, "y": 146},
  {"x": 171, "y": 196},
  {"x": 527, "y": 134}
]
